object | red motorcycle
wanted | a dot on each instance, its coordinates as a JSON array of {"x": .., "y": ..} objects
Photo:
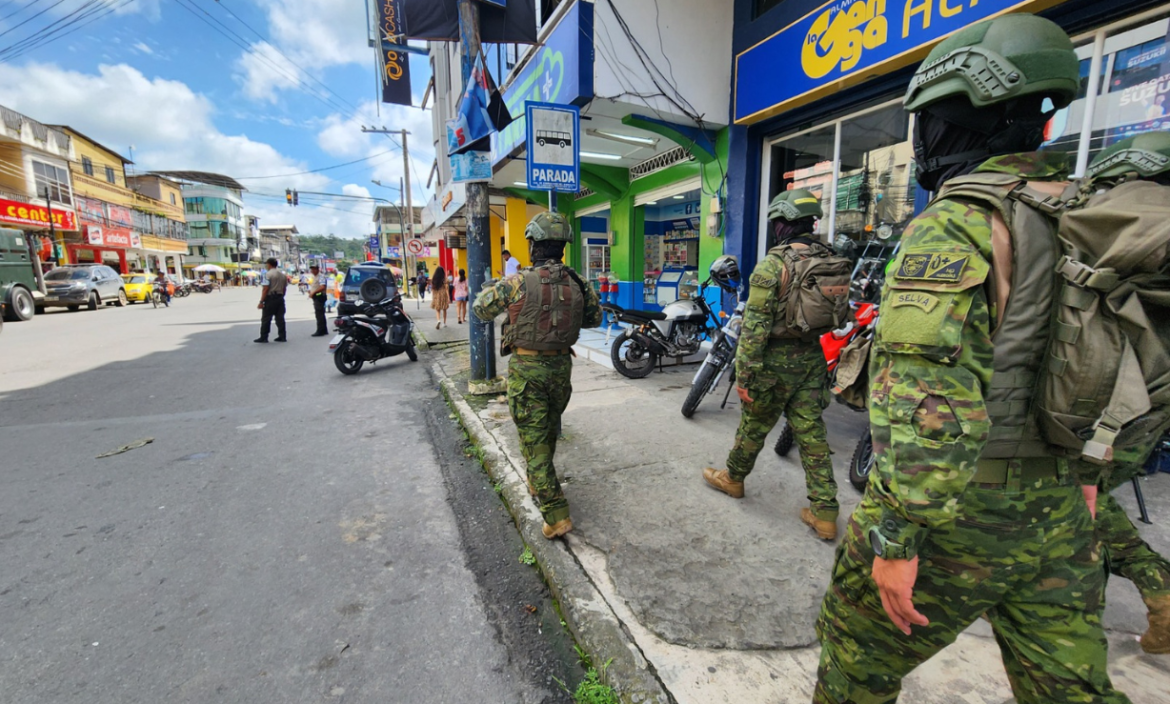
[{"x": 832, "y": 343}]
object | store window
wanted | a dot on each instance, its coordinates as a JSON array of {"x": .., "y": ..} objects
[
  {"x": 871, "y": 191},
  {"x": 595, "y": 246},
  {"x": 53, "y": 182},
  {"x": 670, "y": 229}
]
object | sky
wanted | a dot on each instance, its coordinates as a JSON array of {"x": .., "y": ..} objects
[{"x": 167, "y": 81}]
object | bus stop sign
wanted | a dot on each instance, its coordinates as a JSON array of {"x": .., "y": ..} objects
[{"x": 554, "y": 147}]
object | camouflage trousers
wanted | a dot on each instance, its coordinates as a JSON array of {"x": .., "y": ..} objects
[
  {"x": 1027, "y": 560},
  {"x": 1126, "y": 554},
  {"x": 538, "y": 392},
  {"x": 795, "y": 385}
]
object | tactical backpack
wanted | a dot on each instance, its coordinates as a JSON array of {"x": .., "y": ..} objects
[
  {"x": 814, "y": 291},
  {"x": 1106, "y": 393},
  {"x": 1102, "y": 392},
  {"x": 549, "y": 316}
]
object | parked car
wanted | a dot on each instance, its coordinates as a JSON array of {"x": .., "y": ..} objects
[
  {"x": 19, "y": 296},
  {"x": 138, "y": 287},
  {"x": 89, "y": 285},
  {"x": 352, "y": 285}
]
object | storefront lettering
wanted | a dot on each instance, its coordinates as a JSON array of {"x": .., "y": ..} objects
[
  {"x": 925, "y": 8},
  {"x": 28, "y": 214},
  {"x": 561, "y": 175},
  {"x": 840, "y": 34},
  {"x": 1145, "y": 91}
]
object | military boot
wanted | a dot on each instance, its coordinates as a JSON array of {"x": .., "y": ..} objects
[
  {"x": 721, "y": 480},
  {"x": 557, "y": 529},
  {"x": 826, "y": 530},
  {"x": 1156, "y": 639}
]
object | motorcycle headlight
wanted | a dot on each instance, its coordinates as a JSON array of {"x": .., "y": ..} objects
[{"x": 734, "y": 326}]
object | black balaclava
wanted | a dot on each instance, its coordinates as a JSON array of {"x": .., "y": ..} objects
[
  {"x": 544, "y": 250},
  {"x": 952, "y": 137},
  {"x": 784, "y": 231}
]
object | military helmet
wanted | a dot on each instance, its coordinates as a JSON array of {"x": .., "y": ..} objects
[
  {"x": 997, "y": 60},
  {"x": 794, "y": 205},
  {"x": 549, "y": 226},
  {"x": 1146, "y": 154}
]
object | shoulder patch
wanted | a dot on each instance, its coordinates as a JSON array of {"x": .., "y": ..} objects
[
  {"x": 932, "y": 267},
  {"x": 762, "y": 280}
]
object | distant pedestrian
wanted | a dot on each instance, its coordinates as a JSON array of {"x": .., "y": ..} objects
[
  {"x": 317, "y": 292},
  {"x": 272, "y": 302},
  {"x": 461, "y": 294},
  {"x": 511, "y": 264},
  {"x": 422, "y": 285},
  {"x": 440, "y": 298},
  {"x": 162, "y": 285}
]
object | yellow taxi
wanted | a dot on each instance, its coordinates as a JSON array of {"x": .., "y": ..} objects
[{"x": 138, "y": 287}]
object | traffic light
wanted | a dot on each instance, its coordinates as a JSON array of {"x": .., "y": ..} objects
[
  {"x": 288, "y": 196},
  {"x": 296, "y": 198}
]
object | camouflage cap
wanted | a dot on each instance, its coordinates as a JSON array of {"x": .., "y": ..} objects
[
  {"x": 996, "y": 60},
  {"x": 549, "y": 226},
  {"x": 794, "y": 205},
  {"x": 1147, "y": 155}
]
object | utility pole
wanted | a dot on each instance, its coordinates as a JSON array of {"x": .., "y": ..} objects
[
  {"x": 407, "y": 227},
  {"x": 479, "y": 249}
]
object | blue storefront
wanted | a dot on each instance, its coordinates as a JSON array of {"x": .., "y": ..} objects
[{"x": 817, "y": 87}]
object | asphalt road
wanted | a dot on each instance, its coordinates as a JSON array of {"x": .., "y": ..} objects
[{"x": 289, "y": 535}]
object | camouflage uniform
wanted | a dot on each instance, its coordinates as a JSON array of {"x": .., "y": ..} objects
[
  {"x": 783, "y": 377},
  {"x": 539, "y": 388},
  {"x": 1022, "y": 552}
]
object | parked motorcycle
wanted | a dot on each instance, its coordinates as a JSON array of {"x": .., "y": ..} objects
[
  {"x": 720, "y": 358},
  {"x": 866, "y": 315},
  {"x": 182, "y": 290},
  {"x": 678, "y": 331},
  {"x": 373, "y": 328},
  {"x": 202, "y": 286}
]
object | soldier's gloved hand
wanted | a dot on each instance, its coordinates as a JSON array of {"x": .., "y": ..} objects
[
  {"x": 895, "y": 582},
  {"x": 743, "y": 394}
]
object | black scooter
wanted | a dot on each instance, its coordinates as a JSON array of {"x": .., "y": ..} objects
[{"x": 373, "y": 328}]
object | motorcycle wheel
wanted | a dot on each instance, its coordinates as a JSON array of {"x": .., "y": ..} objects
[
  {"x": 631, "y": 359},
  {"x": 786, "y": 440},
  {"x": 346, "y": 361},
  {"x": 862, "y": 462},
  {"x": 411, "y": 352},
  {"x": 699, "y": 389}
]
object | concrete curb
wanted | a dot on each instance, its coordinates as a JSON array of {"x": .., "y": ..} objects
[{"x": 588, "y": 615}]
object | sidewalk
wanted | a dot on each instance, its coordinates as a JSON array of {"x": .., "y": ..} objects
[{"x": 702, "y": 599}]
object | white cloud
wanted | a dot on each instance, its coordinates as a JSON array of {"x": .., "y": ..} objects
[
  {"x": 171, "y": 128},
  {"x": 143, "y": 48},
  {"x": 335, "y": 35}
]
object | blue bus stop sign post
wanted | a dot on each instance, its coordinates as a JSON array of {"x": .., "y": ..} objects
[{"x": 554, "y": 148}]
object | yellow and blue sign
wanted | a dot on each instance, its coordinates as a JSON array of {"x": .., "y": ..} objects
[
  {"x": 845, "y": 42},
  {"x": 560, "y": 71}
]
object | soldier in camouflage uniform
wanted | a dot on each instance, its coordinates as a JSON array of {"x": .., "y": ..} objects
[
  {"x": 547, "y": 305},
  {"x": 970, "y": 513},
  {"x": 1145, "y": 156},
  {"x": 782, "y": 376}
]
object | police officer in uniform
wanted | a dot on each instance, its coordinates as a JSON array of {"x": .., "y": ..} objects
[
  {"x": 547, "y": 305},
  {"x": 782, "y": 375},
  {"x": 970, "y": 512},
  {"x": 317, "y": 291},
  {"x": 272, "y": 301}
]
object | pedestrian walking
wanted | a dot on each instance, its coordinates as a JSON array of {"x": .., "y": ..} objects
[
  {"x": 461, "y": 295},
  {"x": 422, "y": 284},
  {"x": 440, "y": 296},
  {"x": 511, "y": 264},
  {"x": 547, "y": 306},
  {"x": 317, "y": 286},
  {"x": 780, "y": 368},
  {"x": 971, "y": 512},
  {"x": 272, "y": 302}
]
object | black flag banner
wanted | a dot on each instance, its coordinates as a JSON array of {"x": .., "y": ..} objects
[
  {"x": 395, "y": 65},
  {"x": 438, "y": 20}
]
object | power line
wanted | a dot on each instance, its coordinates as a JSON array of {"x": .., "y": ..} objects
[
  {"x": 18, "y": 25},
  {"x": 81, "y": 17},
  {"x": 315, "y": 171}
]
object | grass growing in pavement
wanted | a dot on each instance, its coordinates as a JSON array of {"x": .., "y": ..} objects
[
  {"x": 526, "y": 557},
  {"x": 592, "y": 690}
]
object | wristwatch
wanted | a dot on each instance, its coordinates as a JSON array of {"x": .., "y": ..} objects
[{"x": 886, "y": 549}]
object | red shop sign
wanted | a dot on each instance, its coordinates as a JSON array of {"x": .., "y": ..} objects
[
  {"x": 12, "y": 211},
  {"x": 108, "y": 236}
]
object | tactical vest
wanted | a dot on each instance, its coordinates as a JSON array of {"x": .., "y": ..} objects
[
  {"x": 549, "y": 316},
  {"x": 1023, "y": 326}
]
